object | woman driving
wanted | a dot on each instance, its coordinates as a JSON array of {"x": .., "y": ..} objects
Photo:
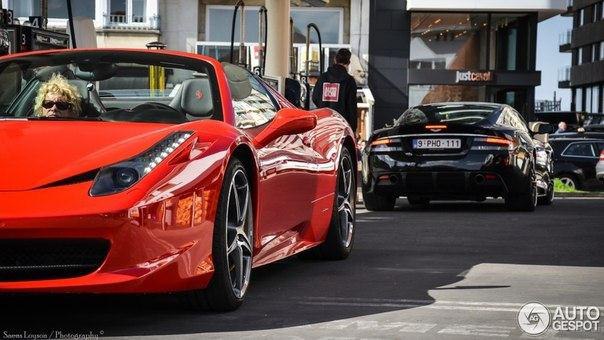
[{"x": 58, "y": 98}]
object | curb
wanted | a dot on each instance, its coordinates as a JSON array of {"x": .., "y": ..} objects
[{"x": 580, "y": 194}]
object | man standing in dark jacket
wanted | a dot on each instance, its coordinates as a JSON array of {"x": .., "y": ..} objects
[{"x": 337, "y": 89}]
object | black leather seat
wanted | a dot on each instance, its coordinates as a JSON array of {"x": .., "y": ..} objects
[{"x": 194, "y": 99}]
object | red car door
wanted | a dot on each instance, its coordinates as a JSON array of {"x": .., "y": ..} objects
[{"x": 287, "y": 178}]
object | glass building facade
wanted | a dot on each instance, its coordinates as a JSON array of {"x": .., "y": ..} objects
[{"x": 480, "y": 42}]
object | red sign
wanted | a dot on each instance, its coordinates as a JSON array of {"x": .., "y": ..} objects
[{"x": 331, "y": 92}]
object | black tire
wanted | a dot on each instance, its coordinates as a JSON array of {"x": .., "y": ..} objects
[
  {"x": 526, "y": 201},
  {"x": 418, "y": 201},
  {"x": 376, "y": 202},
  {"x": 548, "y": 199},
  {"x": 340, "y": 237},
  {"x": 221, "y": 295}
]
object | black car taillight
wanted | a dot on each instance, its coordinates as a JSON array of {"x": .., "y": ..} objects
[{"x": 386, "y": 145}]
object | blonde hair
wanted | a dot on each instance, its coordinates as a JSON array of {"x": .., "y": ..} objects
[{"x": 59, "y": 85}]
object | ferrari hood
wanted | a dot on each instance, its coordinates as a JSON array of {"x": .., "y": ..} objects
[{"x": 37, "y": 153}]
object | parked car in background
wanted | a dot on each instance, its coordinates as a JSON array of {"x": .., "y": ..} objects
[
  {"x": 467, "y": 151},
  {"x": 575, "y": 160}
]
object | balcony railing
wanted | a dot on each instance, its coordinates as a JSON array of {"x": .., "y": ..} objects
[
  {"x": 133, "y": 22},
  {"x": 564, "y": 74},
  {"x": 565, "y": 38}
]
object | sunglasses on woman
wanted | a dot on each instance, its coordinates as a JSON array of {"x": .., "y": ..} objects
[{"x": 48, "y": 104}]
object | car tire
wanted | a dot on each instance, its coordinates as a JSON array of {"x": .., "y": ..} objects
[
  {"x": 570, "y": 180},
  {"x": 526, "y": 201},
  {"x": 418, "y": 201},
  {"x": 376, "y": 202},
  {"x": 548, "y": 199},
  {"x": 232, "y": 245},
  {"x": 340, "y": 237}
]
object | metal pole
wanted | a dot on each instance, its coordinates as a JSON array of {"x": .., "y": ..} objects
[
  {"x": 242, "y": 34},
  {"x": 292, "y": 65},
  {"x": 307, "y": 68},
  {"x": 263, "y": 28},
  {"x": 71, "y": 29},
  {"x": 239, "y": 3}
]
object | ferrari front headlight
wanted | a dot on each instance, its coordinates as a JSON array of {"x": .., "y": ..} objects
[{"x": 118, "y": 177}]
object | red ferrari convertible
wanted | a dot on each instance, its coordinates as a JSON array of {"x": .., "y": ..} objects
[{"x": 165, "y": 172}]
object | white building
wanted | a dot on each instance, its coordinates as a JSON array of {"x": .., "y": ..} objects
[{"x": 118, "y": 23}]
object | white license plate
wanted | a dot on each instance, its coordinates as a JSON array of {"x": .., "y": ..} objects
[{"x": 437, "y": 143}]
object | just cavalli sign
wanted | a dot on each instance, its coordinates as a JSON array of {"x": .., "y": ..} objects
[{"x": 474, "y": 76}]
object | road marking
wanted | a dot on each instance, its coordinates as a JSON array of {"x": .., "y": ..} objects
[
  {"x": 370, "y": 325},
  {"x": 410, "y": 303},
  {"x": 422, "y": 270},
  {"x": 480, "y": 330}
]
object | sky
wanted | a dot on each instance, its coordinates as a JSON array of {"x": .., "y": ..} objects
[{"x": 550, "y": 60}]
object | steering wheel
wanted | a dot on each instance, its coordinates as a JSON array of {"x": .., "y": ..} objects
[{"x": 157, "y": 112}]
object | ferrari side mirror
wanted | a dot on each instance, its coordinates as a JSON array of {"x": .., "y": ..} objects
[{"x": 288, "y": 121}]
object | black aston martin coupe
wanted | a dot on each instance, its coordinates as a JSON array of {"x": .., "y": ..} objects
[{"x": 467, "y": 151}]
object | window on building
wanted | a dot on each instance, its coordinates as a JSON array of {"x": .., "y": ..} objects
[
  {"x": 588, "y": 99},
  {"x": 25, "y": 8},
  {"x": 601, "y": 50},
  {"x": 578, "y": 99},
  {"x": 329, "y": 19},
  {"x": 81, "y": 8},
  {"x": 579, "y": 55},
  {"x": 127, "y": 11},
  {"x": 581, "y": 14},
  {"x": 594, "y": 52},
  {"x": 57, "y": 9},
  {"x": 595, "y": 94},
  {"x": 594, "y": 13}
]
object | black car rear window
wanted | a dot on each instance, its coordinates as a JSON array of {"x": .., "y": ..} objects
[
  {"x": 450, "y": 113},
  {"x": 579, "y": 149}
]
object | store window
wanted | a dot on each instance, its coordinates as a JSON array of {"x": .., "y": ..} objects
[
  {"x": 470, "y": 41},
  {"x": 329, "y": 19},
  {"x": 425, "y": 94},
  {"x": 448, "y": 40}
]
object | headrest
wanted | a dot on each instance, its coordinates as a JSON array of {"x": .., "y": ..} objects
[
  {"x": 196, "y": 97},
  {"x": 239, "y": 81}
]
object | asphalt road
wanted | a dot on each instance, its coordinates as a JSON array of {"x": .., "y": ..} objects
[{"x": 453, "y": 270}]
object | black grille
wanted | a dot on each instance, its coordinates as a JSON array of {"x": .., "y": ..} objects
[{"x": 39, "y": 259}]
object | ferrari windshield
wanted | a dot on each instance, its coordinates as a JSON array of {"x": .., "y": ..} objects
[
  {"x": 447, "y": 113},
  {"x": 109, "y": 86}
]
